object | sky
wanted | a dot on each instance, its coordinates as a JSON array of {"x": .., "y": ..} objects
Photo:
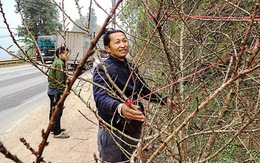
[{"x": 14, "y": 19}]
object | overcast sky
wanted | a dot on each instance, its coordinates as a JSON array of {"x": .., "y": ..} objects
[{"x": 14, "y": 19}]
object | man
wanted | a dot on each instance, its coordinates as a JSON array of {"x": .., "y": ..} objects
[
  {"x": 56, "y": 88},
  {"x": 111, "y": 109}
]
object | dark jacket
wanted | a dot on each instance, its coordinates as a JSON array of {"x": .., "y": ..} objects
[
  {"x": 119, "y": 72},
  {"x": 60, "y": 76}
]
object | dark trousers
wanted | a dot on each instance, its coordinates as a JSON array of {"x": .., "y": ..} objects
[
  {"x": 56, "y": 127},
  {"x": 108, "y": 149}
]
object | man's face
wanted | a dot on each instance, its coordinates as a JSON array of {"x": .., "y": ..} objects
[
  {"x": 118, "y": 46},
  {"x": 64, "y": 56}
]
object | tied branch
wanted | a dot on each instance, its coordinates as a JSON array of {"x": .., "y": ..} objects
[{"x": 197, "y": 110}]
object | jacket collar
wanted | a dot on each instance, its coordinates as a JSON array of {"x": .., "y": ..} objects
[{"x": 117, "y": 61}]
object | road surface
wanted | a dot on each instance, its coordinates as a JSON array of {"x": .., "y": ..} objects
[
  {"x": 24, "y": 106},
  {"x": 23, "y": 89}
]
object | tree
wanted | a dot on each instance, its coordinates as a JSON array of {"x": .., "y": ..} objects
[
  {"x": 92, "y": 25},
  {"x": 183, "y": 38},
  {"x": 41, "y": 18}
]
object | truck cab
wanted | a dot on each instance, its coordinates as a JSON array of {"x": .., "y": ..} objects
[{"x": 46, "y": 48}]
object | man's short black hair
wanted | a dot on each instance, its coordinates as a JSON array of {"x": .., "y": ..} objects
[
  {"x": 106, "y": 37},
  {"x": 61, "y": 50}
]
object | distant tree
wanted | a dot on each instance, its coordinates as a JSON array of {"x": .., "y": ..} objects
[
  {"x": 41, "y": 17},
  {"x": 92, "y": 25}
]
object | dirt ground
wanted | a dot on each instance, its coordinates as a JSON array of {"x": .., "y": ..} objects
[{"x": 79, "y": 148}]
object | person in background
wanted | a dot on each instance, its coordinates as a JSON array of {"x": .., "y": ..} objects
[
  {"x": 110, "y": 109},
  {"x": 55, "y": 89}
]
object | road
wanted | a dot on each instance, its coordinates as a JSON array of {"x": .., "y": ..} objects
[
  {"x": 23, "y": 89},
  {"x": 24, "y": 106}
]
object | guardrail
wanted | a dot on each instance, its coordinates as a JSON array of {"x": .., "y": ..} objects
[{"x": 12, "y": 61}]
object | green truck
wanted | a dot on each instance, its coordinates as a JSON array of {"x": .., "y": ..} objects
[{"x": 47, "y": 45}]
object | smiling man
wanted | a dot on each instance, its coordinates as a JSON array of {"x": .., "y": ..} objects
[{"x": 116, "y": 147}]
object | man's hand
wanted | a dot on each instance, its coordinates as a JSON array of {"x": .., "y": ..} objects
[{"x": 132, "y": 114}]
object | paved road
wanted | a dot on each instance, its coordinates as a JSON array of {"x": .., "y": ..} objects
[{"x": 23, "y": 89}]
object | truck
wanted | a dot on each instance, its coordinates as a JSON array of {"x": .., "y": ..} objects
[
  {"x": 47, "y": 48},
  {"x": 76, "y": 43}
]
